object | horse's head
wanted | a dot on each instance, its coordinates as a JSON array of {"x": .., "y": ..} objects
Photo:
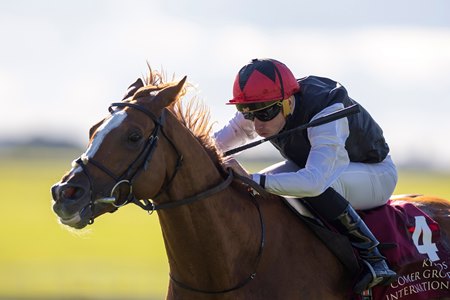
[{"x": 122, "y": 147}]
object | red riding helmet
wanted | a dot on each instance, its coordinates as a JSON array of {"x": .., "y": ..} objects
[{"x": 263, "y": 80}]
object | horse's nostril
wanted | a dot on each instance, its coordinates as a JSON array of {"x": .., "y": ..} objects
[{"x": 71, "y": 193}]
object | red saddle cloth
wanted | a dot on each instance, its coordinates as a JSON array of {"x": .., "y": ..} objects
[{"x": 411, "y": 242}]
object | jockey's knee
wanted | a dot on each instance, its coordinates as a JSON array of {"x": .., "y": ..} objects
[{"x": 328, "y": 204}]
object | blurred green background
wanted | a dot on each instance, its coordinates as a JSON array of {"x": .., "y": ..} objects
[{"x": 121, "y": 256}]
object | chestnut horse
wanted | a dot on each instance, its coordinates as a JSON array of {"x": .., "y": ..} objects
[{"x": 222, "y": 242}]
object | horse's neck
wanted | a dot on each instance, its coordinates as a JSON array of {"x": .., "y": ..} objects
[
  {"x": 213, "y": 244},
  {"x": 203, "y": 239}
]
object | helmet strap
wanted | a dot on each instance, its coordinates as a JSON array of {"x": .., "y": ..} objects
[{"x": 286, "y": 105}]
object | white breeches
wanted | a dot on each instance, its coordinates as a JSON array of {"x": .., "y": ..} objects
[{"x": 364, "y": 185}]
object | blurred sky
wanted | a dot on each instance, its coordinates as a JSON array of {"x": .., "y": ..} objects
[{"x": 63, "y": 62}]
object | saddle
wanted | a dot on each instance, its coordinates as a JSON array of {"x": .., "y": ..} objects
[{"x": 409, "y": 239}]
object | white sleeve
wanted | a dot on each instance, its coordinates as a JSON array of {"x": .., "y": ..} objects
[
  {"x": 237, "y": 132},
  {"x": 327, "y": 159}
]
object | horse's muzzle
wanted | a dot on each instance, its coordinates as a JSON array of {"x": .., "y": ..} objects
[{"x": 70, "y": 202}]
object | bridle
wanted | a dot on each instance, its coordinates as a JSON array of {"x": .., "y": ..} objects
[{"x": 141, "y": 164}]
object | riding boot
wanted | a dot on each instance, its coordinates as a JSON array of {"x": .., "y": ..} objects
[
  {"x": 376, "y": 270},
  {"x": 337, "y": 211}
]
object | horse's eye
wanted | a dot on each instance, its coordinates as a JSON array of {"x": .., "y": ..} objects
[{"x": 134, "y": 137}]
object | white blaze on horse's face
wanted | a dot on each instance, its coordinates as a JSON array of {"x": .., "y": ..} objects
[{"x": 108, "y": 125}]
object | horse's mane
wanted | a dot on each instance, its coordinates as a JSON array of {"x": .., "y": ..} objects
[{"x": 193, "y": 114}]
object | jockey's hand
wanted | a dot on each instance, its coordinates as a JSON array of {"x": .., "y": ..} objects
[{"x": 236, "y": 167}]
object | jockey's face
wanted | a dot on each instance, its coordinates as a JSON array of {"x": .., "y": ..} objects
[
  {"x": 269, "y": 128},
  {"x": 274, "y": 126}
]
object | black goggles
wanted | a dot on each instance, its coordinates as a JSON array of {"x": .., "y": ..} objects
[{"x": 265, "y": 114}]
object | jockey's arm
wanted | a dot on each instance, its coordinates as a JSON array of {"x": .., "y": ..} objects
[
  {"x": 236, "y": 133},
  {"x": 327, "y": 159}
]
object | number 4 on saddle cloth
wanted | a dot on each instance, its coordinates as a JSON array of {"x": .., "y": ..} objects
[{"x": 409, "y": 239}]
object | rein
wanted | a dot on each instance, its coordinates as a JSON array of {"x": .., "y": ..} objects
[
  {"x": 143, "y": 160},
  {"x": 150, "y": 206},
  {"x": 258, "y": 256}
]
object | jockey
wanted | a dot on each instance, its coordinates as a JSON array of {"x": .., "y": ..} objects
[{"x": 334, "y": 167}]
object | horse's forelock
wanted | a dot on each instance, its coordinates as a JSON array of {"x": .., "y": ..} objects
[{"x": 146, "y": 91}]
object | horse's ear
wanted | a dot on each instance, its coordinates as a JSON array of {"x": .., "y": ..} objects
[
  {"x": 169, "y": 94},
  {"x": 132, "y": 89}
]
